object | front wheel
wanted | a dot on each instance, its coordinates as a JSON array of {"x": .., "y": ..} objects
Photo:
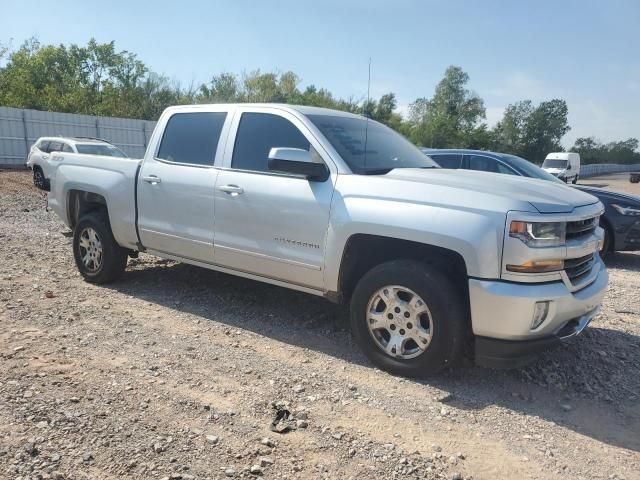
[
  {"x": 98, "y": 256},
  {"x": 575, "y": 180},
  {"x": 408, "y": 318}
]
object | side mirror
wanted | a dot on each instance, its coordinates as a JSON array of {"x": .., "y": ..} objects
[
  {"x": 297, "y": 162},
  {"x": 569, "y": 167}
]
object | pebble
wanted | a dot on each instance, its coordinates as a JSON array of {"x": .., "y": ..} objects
[
  {"x": 302, "y": 424},
  {"x": 268, "y": 442},
  {"x": 264, "y": 461},
  {"x": 229, "y": 472},
  {"x": 256, "y": 469},
  {"x": 212, "y": 439}
]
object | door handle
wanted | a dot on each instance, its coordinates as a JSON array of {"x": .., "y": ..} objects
[
  {"x": 232, "y": 190},
  {"x": 152, "y": 179}
]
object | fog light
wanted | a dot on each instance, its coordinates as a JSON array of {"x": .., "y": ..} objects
[{"x": 540, "y": 311}]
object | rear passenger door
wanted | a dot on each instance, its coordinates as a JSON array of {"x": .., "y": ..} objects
[
  {"x": 176, "y": 186},
  {"x": 267, "y": 223},
  {"x": 483, "y": 163}
]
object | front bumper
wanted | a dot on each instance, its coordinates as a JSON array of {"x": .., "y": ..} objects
[
  {"x": 496, "y": 353},
  {"x": 502, "y": 312}
]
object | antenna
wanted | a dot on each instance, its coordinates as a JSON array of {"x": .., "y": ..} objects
[{"x": 366, "y": 127}]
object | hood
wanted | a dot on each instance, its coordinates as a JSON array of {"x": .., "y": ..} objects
[
  {"x": 609, "y": 195},
  {"x": 544, "y": 196}
]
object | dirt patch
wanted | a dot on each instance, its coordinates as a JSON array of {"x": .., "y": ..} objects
[{"x": 173, "y": 371}]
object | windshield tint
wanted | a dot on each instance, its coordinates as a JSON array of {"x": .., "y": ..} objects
[
  {"x": 528, "y": 169},
  {"x": 554, "y": 164},
  {"x": 385, "y": 149},
  {"x": 100, "y": 149}
]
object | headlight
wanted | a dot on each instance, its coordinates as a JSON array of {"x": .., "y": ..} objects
[
  {"x": 539, "y": 234},
  {"x": 633, "y": 211}
]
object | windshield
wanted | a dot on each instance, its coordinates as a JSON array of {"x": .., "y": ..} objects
[
  {"x": 100, "y": 149},
  {"x": 554, "y": 164},
  {"x": 385, "y": 149},
  {"x": 528, "y": 169}
]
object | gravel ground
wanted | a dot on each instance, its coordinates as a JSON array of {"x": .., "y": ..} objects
[{"x": 176, "y": 372}]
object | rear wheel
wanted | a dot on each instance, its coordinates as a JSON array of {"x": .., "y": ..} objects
[
  {"x": 408, "y": 318},
  {"x": 38, "y": 178},
  {"x": 98, "y": 256}
]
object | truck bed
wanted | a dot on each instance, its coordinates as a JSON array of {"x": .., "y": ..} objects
[{"x": 113, "y": 178}]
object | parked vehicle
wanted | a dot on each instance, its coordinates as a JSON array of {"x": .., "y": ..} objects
[
  {"x": 634, "y": 177},
  {"x": 41, "y": 152},
  {"x": 621, "y": 218},
  {"x": 564, "y": 165},
  {"x": 430, "y": 261}
]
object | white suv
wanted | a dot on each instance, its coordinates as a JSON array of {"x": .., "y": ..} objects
[{"x": 40, "y": 154}]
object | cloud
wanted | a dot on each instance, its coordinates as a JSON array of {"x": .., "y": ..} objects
[{"x": 519, "y": 85}]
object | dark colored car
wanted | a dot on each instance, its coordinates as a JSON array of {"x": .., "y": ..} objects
[{"x": 621, "y": 219}]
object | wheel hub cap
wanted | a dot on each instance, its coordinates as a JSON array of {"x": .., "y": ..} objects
[
  {"x": 90, "y": 249},
  {"x": 399, "y": 322}
]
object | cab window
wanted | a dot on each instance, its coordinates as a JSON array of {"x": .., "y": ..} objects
[
  {"x": 257, "y": 134},
  {"x": 487, "y": 164}
]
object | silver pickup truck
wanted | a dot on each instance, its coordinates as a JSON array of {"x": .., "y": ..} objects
[{"x": 433, "y": 263}]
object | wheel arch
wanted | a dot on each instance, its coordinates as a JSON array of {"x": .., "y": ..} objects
[{"x": 362, "y": 252}]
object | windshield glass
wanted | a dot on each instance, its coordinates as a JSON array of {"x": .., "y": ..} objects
[
  {"x": 528, "y": 169},
  {"x": 385, "y": 149},
  {"x": 554, "y": 163},
  {"x": 100, "y": 149}
]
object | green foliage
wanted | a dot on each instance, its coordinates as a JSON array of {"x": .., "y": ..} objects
[
  {"x": 450, "y": 117},
  {"x": 531, "y": 132},
  {"x": 592, "y": 151},
  {"x": 99, "y": 80}
]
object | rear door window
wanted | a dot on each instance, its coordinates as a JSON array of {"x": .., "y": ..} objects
[
  {"x": 448, "y": 160},
  {"x": 192, "y": 138},
  {"x": 257, "y": 134},
  {"x": 488, "y": 164}
]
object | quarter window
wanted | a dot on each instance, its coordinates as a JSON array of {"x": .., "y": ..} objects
[
  {"x": 55, "y": 147},
  {"x": 257, "y": 134},
  {"x": 192, "y": 137}
]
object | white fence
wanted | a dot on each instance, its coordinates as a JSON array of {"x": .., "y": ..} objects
[
  {"x": 605, "y": 168},
  {"x": 20, "y": 128}
]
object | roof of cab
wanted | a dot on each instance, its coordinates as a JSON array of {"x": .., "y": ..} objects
[{"x": 303, "y": 109}]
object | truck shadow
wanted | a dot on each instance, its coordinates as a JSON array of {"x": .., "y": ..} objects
[{"x": 568, "y": 386}]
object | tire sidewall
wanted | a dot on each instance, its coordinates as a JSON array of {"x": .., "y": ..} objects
[
  {"x": 38, "y": 178},
  {"x": 445, "y": 306},
  {"x": 112, "y": 253}
]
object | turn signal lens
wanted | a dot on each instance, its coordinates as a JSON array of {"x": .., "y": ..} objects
[{"x": 537, "y": 266}]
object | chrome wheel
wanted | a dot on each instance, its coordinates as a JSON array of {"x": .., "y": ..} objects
[
  {"x": 399, "y": 322},
  {"x": 90, "y": 247}
]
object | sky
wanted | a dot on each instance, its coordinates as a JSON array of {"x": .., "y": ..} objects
[{"x": 586, "y": 52}]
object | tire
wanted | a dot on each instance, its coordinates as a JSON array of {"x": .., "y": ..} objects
[
  {"x": 38, "y": 178},
  {"x": 445, "y": 317},
  {"x": 98, "y": 257},
  {"x": 575, "y": 180}
]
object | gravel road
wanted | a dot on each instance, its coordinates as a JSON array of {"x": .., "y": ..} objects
[{"x": 175, "y": 372}]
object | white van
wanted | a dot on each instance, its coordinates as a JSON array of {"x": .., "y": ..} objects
[{"x": 564, "y": 165}]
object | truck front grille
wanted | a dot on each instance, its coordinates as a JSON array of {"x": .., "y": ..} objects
[
  {"x": 581, "y": 228},
  {"x": 578, "y": 268}
]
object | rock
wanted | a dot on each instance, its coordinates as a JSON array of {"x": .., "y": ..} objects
[
  {"x": 265, "y": 461},
  {"x": 566, "y": 407},
  {"x": 338, "y": 436},
  {"x": 268, "y": 442},
  {"x": 74, "y": 399},
  {"x": 302, "y": 424},
  {"x": 456, "y": 476},
  {"x": 212, "y": 439},
  {"x": 301, "y": 415},
  {"x": 298, "y": 389},
  {"x": 436, "y": 448},
  {"x": 31, "y": 449},
  {"x": 230, "y": 472},
  {"x": 256, "y": 469},
  {"x": 42, "y": 424}
]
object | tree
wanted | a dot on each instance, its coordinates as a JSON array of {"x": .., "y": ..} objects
[
  {"x": 450, "y": 116},
  {"x": 532, "y": 132}
]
